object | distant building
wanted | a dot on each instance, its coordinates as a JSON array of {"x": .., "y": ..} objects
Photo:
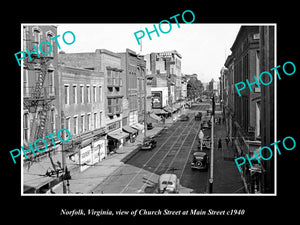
[
  {"x": 166, "y": 63},
  {"x": 133, "y": 75}
]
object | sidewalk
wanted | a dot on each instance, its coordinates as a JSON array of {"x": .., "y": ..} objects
[
  {"x": 85, "y": 182},
  {"x": 227, "y": 178}
]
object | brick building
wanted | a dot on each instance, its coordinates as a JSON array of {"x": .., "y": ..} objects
[
  {"x": 250, "y": 118},
  {"x": 133, "y": 75},
  {"x": 267, "y": 54},
  {"x": 40, "y": 107},
  {"x": 246, "y": 120},
  {"x": 82, "y": 111},
  {"x": 109, "y": 64}
]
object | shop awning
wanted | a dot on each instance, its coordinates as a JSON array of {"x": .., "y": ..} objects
[
  {"x": 118, "y": 134},
  {"x": 130, "y": 130},
  {"x": 159, "y": 111},
  {"x": 152, "y": 115},
  {"x": 137, "y": 126},
  {"x": 169, "y": 109}
]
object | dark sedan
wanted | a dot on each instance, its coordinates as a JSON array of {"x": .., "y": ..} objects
[
  {"x": 148, "y": 144},
  {"x": 200, "y": 161},
  {"x": 184, "y": 117}
]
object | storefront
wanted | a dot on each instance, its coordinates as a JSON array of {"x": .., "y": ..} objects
[
  {"x": 132, "y": 133},
  {"x": 116, "y": 139},
  {"x": 138, "y": 126},
  {"x": 99, "y": 151}
]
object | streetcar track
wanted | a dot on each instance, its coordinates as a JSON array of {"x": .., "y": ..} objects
[
  {"x": 115, "y": 172},
  {"x": 141, "y": 169},
  {"x": 168, "y": 155}
]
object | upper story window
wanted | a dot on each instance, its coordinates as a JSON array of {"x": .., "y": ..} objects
[{"x": 37, "y": 33}]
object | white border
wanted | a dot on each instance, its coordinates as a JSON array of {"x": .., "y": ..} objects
[{"x": 159, "y": 195}]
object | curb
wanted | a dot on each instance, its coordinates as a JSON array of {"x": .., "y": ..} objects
[{"x": 137, "y": 149}]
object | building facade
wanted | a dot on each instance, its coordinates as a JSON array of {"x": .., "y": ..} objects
[
  {"x": 267, "y": 61},
  {"x": 133, "y": 75},
  {"x": 109, "y": 64},
  {"x": 81, "y": 94},
  {"x": 40, "y": 108},
  {"x": 250, "y": 117}
]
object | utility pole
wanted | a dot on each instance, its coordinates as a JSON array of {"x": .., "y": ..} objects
[
  {"x": 145, "y": 104},
  {"x": 211, "y": 174},
  {"x": 63, "y": 158}
]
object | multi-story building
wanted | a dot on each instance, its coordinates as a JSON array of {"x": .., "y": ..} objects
[
  {"x": 133, "y": 76},
  {"x": 266, "y": 62},
  {"x": 228, "y": 95},
  {"x": 243, "y": 64},
  {"x": 40, "y": 105},
  {"x": 165, "y": 68},
  {"x": 250, "y": 117},
  {"x": 109, "y": 64},
  {"x": 81, "y": 94}
]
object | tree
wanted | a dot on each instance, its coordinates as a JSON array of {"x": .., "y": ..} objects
[{"x": 194, "y": 88}]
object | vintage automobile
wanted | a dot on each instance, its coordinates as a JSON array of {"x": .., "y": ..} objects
[
  {"x": 204, "y": 124},
  {"x": 168, "y": 183},
  {"x": 198, "y": 116},
  {"x": 148, "y": 143},
  {"x": 149, "y": 126},
  {"x": 184, "y": 117},
  {"x": 200, "y": 161}
]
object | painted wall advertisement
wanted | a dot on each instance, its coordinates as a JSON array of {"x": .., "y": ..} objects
[
  {"x": 99, "y": 151},
  {"x": 156, "y": 99}
]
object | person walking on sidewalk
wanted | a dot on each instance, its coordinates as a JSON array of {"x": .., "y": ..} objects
[{"x": 220, "y": 144}]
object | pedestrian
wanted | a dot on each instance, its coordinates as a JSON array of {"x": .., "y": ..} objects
[
  {"x": 227, "y": 140},
  {"x": 220, "y": 144}
]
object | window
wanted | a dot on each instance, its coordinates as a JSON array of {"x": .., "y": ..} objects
[
  {"x": 36, "y": 36},
  {"x": 68, "y": 123},
  {"x": 81, "y": 93},
  {"x": 100, "y": 94},
  {"x": 94, "y": 93},
  {"x": 25, "y": 83},
  {"x": 74, "y": 94},
  {"x": 88, "y": 93},
  {"x": 88, "y": 124},
  {"x": 75, "y": 125},
  {"x": 49, "y": 35},
  {"x": 52, "y": 119},
  {"x": 51, "y": 83},
  {"x": 81, "y": 123},
  {"x": 26, "y": 127},
  {"x": 100, "y": 119},
  {"x": 95, "y": 121},
  {"x": 67, "y": 94}
]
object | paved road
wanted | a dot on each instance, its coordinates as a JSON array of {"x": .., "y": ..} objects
[{"x": 173, "y": 154}]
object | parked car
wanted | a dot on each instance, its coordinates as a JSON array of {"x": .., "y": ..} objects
[
  {"x": 184, "y": 117},
  {"x": 149, "y": 126},
  {"x": 204, "y": 125},
  {"x": 198, "y": 116},
  {"x": 148, "y": 143},
  {"x": 168, "y": 183},
  {"x": 200, "y": 161}
]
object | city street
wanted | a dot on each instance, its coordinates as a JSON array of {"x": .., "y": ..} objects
[{"x": 173, "y": 154}]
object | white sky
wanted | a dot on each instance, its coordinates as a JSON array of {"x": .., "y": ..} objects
[{"x": 203, "y": 47}]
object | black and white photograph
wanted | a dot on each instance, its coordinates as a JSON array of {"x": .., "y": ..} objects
[
  {"x": 103, "y": 117},
  {"x": 164, "y": 115}
]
